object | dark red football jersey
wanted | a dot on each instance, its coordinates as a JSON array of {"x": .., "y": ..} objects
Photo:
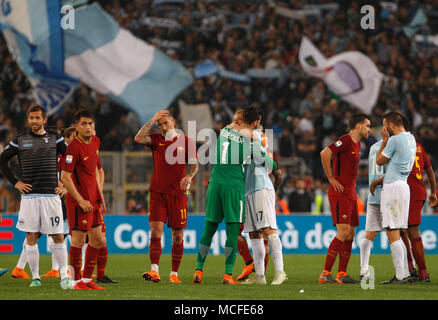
[
  {"x": 170, "y": 162},
  {"x": 346, "y": 157},
  {"x": 415, "y": 178},
  {"x": 82, "y": 159}
]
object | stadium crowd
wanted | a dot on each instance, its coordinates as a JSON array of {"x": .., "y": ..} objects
[{"x": 242, "y": 35}]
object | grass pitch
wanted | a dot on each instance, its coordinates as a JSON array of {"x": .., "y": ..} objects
[{"x": 303, "y": 272}]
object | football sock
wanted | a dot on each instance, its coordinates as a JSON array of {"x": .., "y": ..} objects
[
  {"x": 101, "y": 262},
  {"x": 205, "y": 243},
  {"x": 407, "y": 244},
  {"x": 276, "y": 252},
  {"x": 365, "y": 252},
  {"x": 76, "y": 262},
  {"x": 33, "y": 258},
  {"x": 90, "y": 262},
  {"x": 155, "y": 251},
  {"x": 242, "y": 248},
  {"x": 267, "y": 251},
  {"x": 84, "y": 249},
  {"x": 177, "y": 254},
  {"x": 344, "y": 255},
  {"x": 230, "y": 250},
  {"x": 59, "y": 254},
  {"x": 23, "y": 257},
  {"x": 418, "y": 252},
  {"x": 334, "y": 248},
  {"x": 51, "y": 244},
  {"x": 398, "y": 256},
  {"x": 258, "y": 249}
]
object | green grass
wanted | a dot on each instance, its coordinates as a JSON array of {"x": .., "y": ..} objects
[{"x": 303, "y": 272}]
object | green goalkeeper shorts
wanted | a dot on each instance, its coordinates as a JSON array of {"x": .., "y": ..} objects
[{"x": 225, "y": 202}]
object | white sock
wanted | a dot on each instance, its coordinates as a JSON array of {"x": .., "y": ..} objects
[
  {"x": 23, "y": 257},
  {"x": 365, "y": 252},
  {"x": 405, "y": 262},
  {"x": 155, "y": 267},
  {"x": 59, "y": 254},
  {"x": 259, "y": 252},
  {"x": 173, "y": 273},
  {"x": 398, "y": 256},
  {"x": 51, "y": 243},
  {"x": 84, "y": 248},
  {"x": 276, "y": 252},
  {"x": 33, "y": 258}
]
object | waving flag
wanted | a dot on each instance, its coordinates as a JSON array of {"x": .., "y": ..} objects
[
  {"x": 351, "y": 75},
  {"x": 97, "y": 52}
]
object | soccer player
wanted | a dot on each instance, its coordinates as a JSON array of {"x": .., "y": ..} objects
[
  {"x": 84, "y": 200},
  {"x": 398, "y": 149},
  {"x": 40, "y": 209},
  {"x": 226, "y": 191},
  {"x": 418, "y": 196},
  {"x": 69, "y": 134},
  {"x": 168, "y": 189},
  {"x": 260, "y": 219},
  {"x": 373, "y": 216},
  {"x": 342, "y": 196}
]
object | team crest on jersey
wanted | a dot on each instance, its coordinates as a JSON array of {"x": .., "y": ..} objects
[
  {"x": 338, "y": 143},
  {"x": 46, "y": 139},
  {"x": 84, "y": 222}
]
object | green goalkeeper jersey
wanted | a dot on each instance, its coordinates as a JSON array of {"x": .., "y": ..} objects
[{"x": 233, "y": 151}]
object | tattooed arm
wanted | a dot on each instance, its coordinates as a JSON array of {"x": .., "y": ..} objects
[{"x": 142, "y": 135}]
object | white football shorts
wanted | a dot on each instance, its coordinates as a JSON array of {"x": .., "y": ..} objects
[
  {"x": 260, "y": 211},
  {"x": 394, "y": 204},
  {"x": 42, "y": 213},
  {"x": 374, "y": 218}
]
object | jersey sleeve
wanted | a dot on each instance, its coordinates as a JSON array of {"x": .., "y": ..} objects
[
  {"x": 427, "y": 163},
  {"x": 60, "y": 145},
  {"x": 389, "y": 149},
  {"x": 8, "y": 153},
  {"x": 339, "y": 145},
  {"x": 71, "y": 157}
]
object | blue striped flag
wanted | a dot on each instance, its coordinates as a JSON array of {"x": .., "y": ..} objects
[{"x": 97, "y": 52}]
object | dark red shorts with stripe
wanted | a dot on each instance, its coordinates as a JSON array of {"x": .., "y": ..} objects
[
  {"x": 344, "y": 210},
  {"x": 168, "y": 208},
  {"x": 83, "y": 221},
  {"x": 415, "y": 207}
]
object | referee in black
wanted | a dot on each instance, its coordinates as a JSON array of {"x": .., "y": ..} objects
[{"x": 40, "y": 208}]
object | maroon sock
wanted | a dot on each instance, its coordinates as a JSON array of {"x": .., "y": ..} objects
[
  {"x": 334, "y": 248},
  {"x": 344, "y": 255},
  {"x": 266, "y": 253},
  {"x": 177, "y": 254},
  {"x": 242, "y": 248},
  {"x": 75, "y": 255},
  {"x": 419, "y": 256},
  {"x": 101, "y": 262},
  {"x": 91, "y": 255},
  {"x": 155, "y": 250}
]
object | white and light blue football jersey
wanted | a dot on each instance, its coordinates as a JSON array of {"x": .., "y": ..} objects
[
  {"x": 375, "y": 172},
  {"x": 401, "y": 150},
  {"x": 256, "y": 176}
]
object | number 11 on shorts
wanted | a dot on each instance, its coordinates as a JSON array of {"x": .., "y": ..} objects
[{"x": 183, "y": 214}]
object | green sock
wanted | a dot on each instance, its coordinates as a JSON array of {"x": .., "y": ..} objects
[
  {"x": 232, "y": 231},
  {"x": 205, "y": 242}
]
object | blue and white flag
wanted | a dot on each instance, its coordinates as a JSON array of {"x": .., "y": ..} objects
[
  {"x": 418, "y": 21},
  {"x": 34, "y": 36},
  {"x": 351, "y": 75},
  {"x": 96, "y": 51},
  {"x": 112, "y": 61}
]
